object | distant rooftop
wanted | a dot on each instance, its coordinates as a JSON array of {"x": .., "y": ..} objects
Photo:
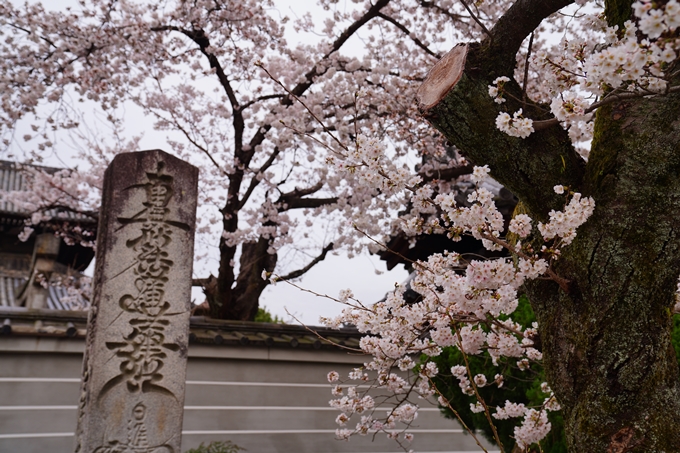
[
  {"x": 12, "y": 178},
  {"x": 18, "y": 260}
]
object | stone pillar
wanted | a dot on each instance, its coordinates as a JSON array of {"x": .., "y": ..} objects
[{"x": 134, "y": 367}]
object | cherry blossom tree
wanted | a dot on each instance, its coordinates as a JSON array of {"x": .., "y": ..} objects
[
  {"x": 604, "y": 298},
  {"x": 280, "y": 129},
  {"x": 261, "y": 118},
  {"x": 606, "y": 331}
]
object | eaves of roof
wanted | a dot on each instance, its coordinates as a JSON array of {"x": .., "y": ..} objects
[{"x": 21, "y": 321}]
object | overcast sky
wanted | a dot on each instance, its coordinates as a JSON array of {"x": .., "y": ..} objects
[{"x": 328, "y": 277}]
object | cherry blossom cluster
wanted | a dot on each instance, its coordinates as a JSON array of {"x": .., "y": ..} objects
[
  {"x": 460, "y": 305},
  {"x": 246, "y": 106},
  {"x": 585, "y": 74},
  {"x": 564, "y": 223},
  {"x": 516, "y": 125},
  {"x": 535, "y": 424}
]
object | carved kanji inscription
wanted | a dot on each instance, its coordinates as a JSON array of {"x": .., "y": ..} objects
[{"x": 135, "y": 360}]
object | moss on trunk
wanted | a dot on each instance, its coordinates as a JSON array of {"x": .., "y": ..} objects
[{"x": 606, "y": 343}]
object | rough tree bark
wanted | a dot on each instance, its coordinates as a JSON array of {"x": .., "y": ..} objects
[{"x": 606, "y": 341}]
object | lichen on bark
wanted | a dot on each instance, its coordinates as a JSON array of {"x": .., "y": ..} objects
[{"x": 607, "y": 339}]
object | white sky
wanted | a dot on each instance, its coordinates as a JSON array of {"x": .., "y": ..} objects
[{"x": 335, "y": 273}]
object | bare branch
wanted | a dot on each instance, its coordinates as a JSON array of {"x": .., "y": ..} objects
[
  {"x": 256, "y": 181},
  {"x": 408, "y": 33},
  {"x": 314, "y": 262},
  {"x": 476, "y": 19},
  {"x": 262, "y": 98},
  {"x": 298, "y": 193},
  {"x": 609, "y": 99}
]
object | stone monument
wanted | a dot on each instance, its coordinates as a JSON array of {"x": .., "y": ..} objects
[{"x": 134, "y": 366}]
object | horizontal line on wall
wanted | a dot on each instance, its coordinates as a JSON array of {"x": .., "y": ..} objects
[
  {"x": 227, "y": 383},
  {"x": 259, "y": 384},
  {"x": 203, "y": 408},
  {"x": 235, "y": 432},
  {"x": 310, "y": 431},
  {"x": 34, "y": 435},
  {"x": 38, "y": 408},
  {"x": 30, "y": 379}
]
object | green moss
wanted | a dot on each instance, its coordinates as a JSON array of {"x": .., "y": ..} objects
[
  {"x": 605, "y": 147},
  {"x": 676, "y": 337}
]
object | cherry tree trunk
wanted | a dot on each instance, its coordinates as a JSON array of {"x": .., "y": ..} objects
[
  {"x": 606, "y": 339},
  {"x": 238, "y": 298},
  {"x": 607, "y": 343}
]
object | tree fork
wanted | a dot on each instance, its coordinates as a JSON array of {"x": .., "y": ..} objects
[
  {"x": 455, "y": 99},
  {"x": 606, "y": 343}
]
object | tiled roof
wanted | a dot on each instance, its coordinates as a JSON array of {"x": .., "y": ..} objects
[
  {"x": 13, "y": 179},
  {"x": 22, "y": 321},
  {"x": 10, "y": 286},
  {"x": 207, "y": 330}
]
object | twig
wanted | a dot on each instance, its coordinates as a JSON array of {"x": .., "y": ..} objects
[
  {"x": 460, "y": 419},
  {"x": 479, "y": 398},
  {"x": 316, "y": 334},
  {"x": 526, "y": 69},
  {"x": 476, "y": 19},
  {"x": 294, "y": 96}
]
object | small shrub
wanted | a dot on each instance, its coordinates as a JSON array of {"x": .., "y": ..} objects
[{"x": 217, "y": 447}]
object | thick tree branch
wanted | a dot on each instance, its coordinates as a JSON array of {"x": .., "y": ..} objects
[
  {"x": 523, "y": 17},
  {"x": 455, "y": 99},
  {"x": 446, "y": 174},
  {"x": 297, "y": 193},
  {"x": 314, "y": 262},
  {"x": 310, "y": 203},
  {"x": 199, "y": 37},
  {"x": 256, "y": 181},
  {"x": 262, "y": 98},
  {"x": 294, "y": 200}
]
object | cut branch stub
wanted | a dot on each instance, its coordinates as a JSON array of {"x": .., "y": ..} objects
[{"x": 443, "y": 76}]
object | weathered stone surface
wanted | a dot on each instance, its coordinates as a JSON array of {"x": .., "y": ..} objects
[{"x": 135, "y": 361}]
